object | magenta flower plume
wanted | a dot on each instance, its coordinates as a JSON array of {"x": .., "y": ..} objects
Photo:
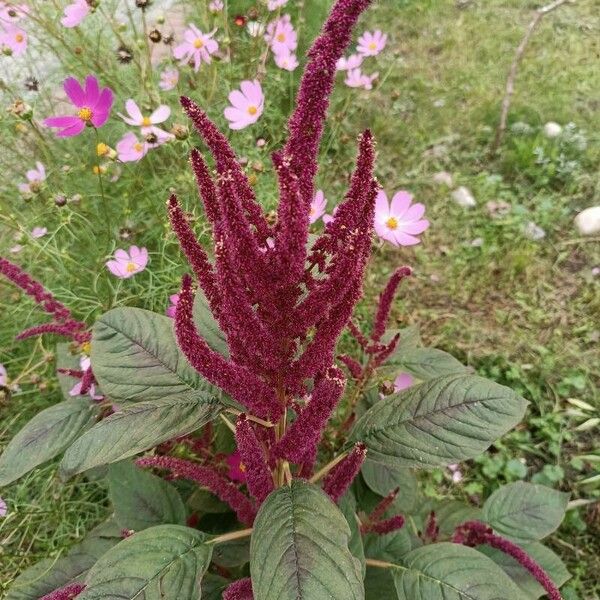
[
  {"x": 475, "y": 533},
  {"x": 386, "y": 526},
  {"x": 340, "y": 478},
  {"x": 206, "y": 477},
  {"x": 239, "y": 590},
  {"x": 258, "y": 476},
  {"x": 92, "y": 103},
  {"x": 380, "y": 509},
  {"x": 65, "y": 593},
  {"x": 385, "y": 302}
]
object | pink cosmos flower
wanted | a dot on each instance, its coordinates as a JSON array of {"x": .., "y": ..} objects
[
  {"x": 247, "y": 105},
  {"x": 173, "y": 299},
  {"x": 215, "y": 6},
  {"x": 3, "y": 508},
  {"x": 127, "y": 264},
  {"x": 286, "y": 60},
  {"x": 75, "y": 13},
  {"x": 403, "y": 381},
  {"x": 237, "y": 469},
  {"x": 356, "y": 78},
  {"x": 34, "y": 179},
  {"x": 3, "y": 376},
  {"x": 328, "y": 218},
  {"x": 93, "y": 106},
  {"x": 168, "y": 79},
  {"x": 197, "y": 46},
  {"x": 147, "y": 124},
  {"x": 317, "y": 206},
  {"x": 13, "y": 40},
  {"x": 347, "y": 63},
  {"x": 281, "y": 35},
  {"x": 130, "y": 149},
  {"x": 371, "y": 44},
  {"x": 275, "y": 4},
  {"x": 38, "y": 232},
  {"x": 401, "y": 222}
]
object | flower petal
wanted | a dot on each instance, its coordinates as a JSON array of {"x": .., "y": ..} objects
[
  {"x": 162, "y": 113},
  {"x": 74, "y": 91},
  {"x": 134, "y": 112},
  {"x": 400, "y": 203},
  {"x": 92, "y": 91},
  {"x": 74, "y": 129}
]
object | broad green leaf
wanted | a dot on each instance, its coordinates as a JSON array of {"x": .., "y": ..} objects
[
  {"x": 442, "y": 421},
  {"x": 547, "y": 559},
  {"x": 136, "y": 358},
  {"x": 384, "y": 478},
  {"x": 45, "y": 436},
  {"x": 207, "y": 325},
  {"x": 392, "y": 546},
  {"x": 525, "y": 511},
  {"x": 141, "y": 500},
  {"x": 379, "y": 584},
  {"x": 429, "y": 363},
  {"x": 166, "y": 561},
  {"x": 449, "y": 514},
  {"x": 452, "y": 572},
  {"x": 139, "y": 427},
  {"x": 202, "y": 501},
  {"x": 213, "y": 586},
  {"x": 347, "y": 505},
  {"x": 52, "y": 573},
  {"x": 299, "y": 548},
  {"x": 232, "y": 554}
]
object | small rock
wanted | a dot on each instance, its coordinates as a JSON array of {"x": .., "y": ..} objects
[
  {"x": 463, "y": 197},
  {"x": 588, "y": 221},
  {"x": 477, "y": 242},
  {"x": 534, "y": 232},
  {"x": 443, "y": 178},
  {"x": 439, "y": 103},
  {"x": 552, "y": 129},
  {"x": 596, "y": 271},
  {"x": 497, "y": 208}
]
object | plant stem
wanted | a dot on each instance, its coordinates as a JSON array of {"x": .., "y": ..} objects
[
  {"x": 322, "y": 472},
  {"x": 234, "y": 535},
  {"x": 104, "y": 202},
  {"x": 262, "y": 422},
  {"x": 371, "y": 562}
]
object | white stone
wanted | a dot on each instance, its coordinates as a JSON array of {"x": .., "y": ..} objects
[
  {"x": 534, "y": 232},
  {"x": 463, "y": 197},
  {"x": 588, "y": 221},
  {"x": 552, "y": 129},
  {"x": 443, "y": 178}
]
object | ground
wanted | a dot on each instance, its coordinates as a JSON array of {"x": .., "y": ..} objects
[{"x": 521, "y": 311}]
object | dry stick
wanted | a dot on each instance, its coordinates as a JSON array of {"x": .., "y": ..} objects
[{"x": 514, "y": 67}]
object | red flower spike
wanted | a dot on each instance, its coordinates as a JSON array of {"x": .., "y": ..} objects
[
  {"x": 65, "y": 593},
  {"x": 380, "y": 509},
  {"x": 385, "y": 302},
  {"x": 353, "y": 366},
  {"x": 475, "y": 533},
  {"x": 387, "y": 526},
  {"x": 340, "y": 478},
  {"x": 206, "y": 477},
  {"x": 258, "y": 476},
  {"x": 239, "y": 590}
]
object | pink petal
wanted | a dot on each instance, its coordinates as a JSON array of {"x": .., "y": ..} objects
[
  {"x": 414, "y": 213},
  {"x": 234, "y": 114},
  {"x": 161, "y": 114},
  {"x": 75, "y": 129},
  {"x": 403, "y": 239},
  {"x": 92, "y": 91},
  {"x": 134, "y": 252},
  {"x": 416, "y": 227},
  {"x": 121, "y": 255},
  {"x": 105, "y": 101},
  {"x": 74, "y": 91},
  {"x": 381, "y": 204},
  {"x": 403, "y": 381},
  {"x": 66, "y": 121},
  {"x": 116, "y": 268},
  {"x": 252, "y": 91},
  {"x": 400, "y": 203},
  {"x": 238, "y": 100},
  {"x": 134, "y": 112}
]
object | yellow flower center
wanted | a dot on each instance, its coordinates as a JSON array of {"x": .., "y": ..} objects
[
  {"x": 138, "y": 147},
  {"x": 146, "y": 122},
  {"x": 98, "y": 170},
  {"x": 280, "y": 37},
  {"x": 242, "y": 467},
  {"x": 86, "y": 347},
  {"x": 102, "y": 149},
  {"x": 252, "y": 110},
  {"x": 392, "y": 223},
  {"x": 198, "y": 43},
  {"x": 372, "y": 46},
  {"x": 19, "y": 38},
  {"x": 85, "y": 114},
  {"x": 131, "y": 267}
]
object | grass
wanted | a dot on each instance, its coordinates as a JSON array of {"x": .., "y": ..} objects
[{"x": 520, "y": 311}]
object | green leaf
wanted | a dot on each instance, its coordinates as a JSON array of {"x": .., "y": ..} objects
[
  {"x": 66, "y": 359},
  {"x": 452, "y": 572},
  {"x": 442, "y": 421},
  {"x": 299, "y": 548},
  {"x": 138, "y": 427},
  {"x": 207, "y": 325},
  {"x": 136, "y": 357},
  {"x": 429, "y": 363},
  {"x": 391, "y": 546},
  {"x": 384, "y": 478},
  {"x": 213, "y": 586},
  {"x": 347, "y": 505},
  {"x": 547, "y": 559},
  {"x": 450, "y": 514},
  {"x": 45, "y": 436},
  {"x": 141, "y": 500},
  {"x": 525, "y": 511},
  {"x": 379, "y": 584},
  {"x": 166, "y": 561},
  {"x": 232, "y": 554},
  {"x": 50, "y": 574},
  {"x": 203, "y": 501}
]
